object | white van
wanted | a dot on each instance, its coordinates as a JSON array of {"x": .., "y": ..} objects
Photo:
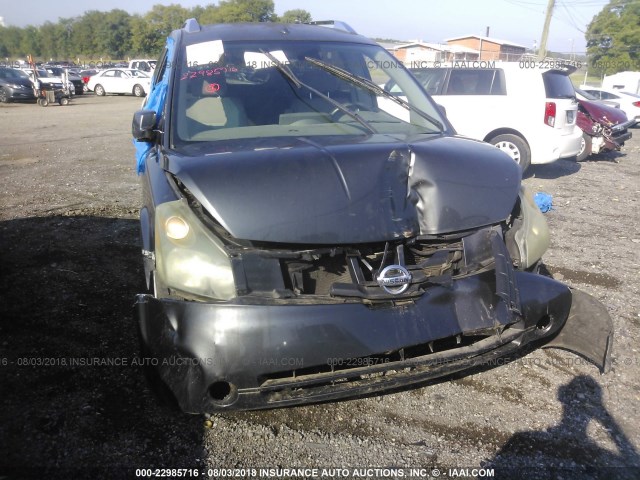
[
  {"x": 627, "y": 81},
  {"x": 145, "y": 64},
  {"x": 528, "y": 113}
]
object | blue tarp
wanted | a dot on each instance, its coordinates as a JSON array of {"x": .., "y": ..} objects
[
  {"x": 544, "y": 201},
  {"x": 155, "y": 102}
]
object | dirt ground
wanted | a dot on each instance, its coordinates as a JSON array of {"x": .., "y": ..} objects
[{"x": 75, "y": 405}]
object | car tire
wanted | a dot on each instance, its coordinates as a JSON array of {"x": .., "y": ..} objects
[
  {"x": 515, "y": 147},
  {"x": 4, "y": 98},
  {"x": 99, "y": 89},
  {"x": 64, "y": 101},
  {"x": 138, "y": 91},
  {"x": 585, "y": 147}
]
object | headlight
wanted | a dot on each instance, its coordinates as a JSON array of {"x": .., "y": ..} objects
[
  {"x": 176, "y": 228},
  {"x": 189, "y": 258},
  {"x": 528, "y": 238}
]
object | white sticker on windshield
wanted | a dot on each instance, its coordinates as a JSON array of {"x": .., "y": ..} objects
[
  {"x": 260, "y": 60},
  {"x": 205, "y": 53}
]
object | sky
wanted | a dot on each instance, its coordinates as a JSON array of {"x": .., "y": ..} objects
[{"x": 519, "y": 21}]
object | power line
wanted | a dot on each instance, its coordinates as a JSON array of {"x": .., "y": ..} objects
[{"x": 570, "y": 19}]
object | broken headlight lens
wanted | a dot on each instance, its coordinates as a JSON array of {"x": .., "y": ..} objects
[{"x": 189, "y": 258}]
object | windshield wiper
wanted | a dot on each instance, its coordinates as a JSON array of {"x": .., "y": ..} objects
[
  {"x": 372, "y": 87},
  {"x": 289, "y": 75}
]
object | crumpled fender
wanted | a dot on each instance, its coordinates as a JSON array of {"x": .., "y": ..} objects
[{"x": 588, "y": 331}]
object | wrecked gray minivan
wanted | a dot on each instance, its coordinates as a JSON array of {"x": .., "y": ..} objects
[{"x": 302, "y": 244}]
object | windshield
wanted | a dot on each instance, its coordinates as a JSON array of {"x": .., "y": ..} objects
[
  {"x": 242, "y": 90},
  {"x": 10, "y": 73},
  {"x": 558, "y": 85}
]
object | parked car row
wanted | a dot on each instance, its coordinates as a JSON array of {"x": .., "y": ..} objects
[
  {"x": 629, "y": 102},
  {"x": 533, "y": 115},
  {"x": 74, "y": 77},
  {"x": 134, "y": 78},
  {"x": 604, "y": 125},
  {"x": 17, "y": 84},
  {"x": 120, "y": 81}
]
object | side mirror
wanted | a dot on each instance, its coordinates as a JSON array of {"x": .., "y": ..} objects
[
  {"x": 143, "y": 125},
  {"x": 442, "y": 109}
]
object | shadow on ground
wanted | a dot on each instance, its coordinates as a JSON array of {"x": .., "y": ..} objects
[
  {"x": 550, "y": 171},
  {"x": 567, "y": 450},
  {"x": 74, "y": 404}
]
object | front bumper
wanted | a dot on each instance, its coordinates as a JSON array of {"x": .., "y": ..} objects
[
  {"x": 20, "y": 94},
  {"x": 620, "y": 134},
  {"x": 618, "y": 140},
  {"x": 234, "y": 356}
]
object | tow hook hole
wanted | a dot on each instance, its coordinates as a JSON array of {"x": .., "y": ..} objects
[
  {"x": 223, "y": 393},
  {"x": 544, "y": 324}
]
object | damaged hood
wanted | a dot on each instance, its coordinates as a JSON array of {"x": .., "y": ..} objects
[
  {"x": 327, "y": 192},
  {"x": 604, "y": 114}
]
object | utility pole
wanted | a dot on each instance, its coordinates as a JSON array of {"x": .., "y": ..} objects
[{"x": 545, "y": 30}]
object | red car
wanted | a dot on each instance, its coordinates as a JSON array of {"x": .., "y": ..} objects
[{"x": 604, "y": 128}]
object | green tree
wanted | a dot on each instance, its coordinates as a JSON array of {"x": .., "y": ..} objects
[
  {"x": 30, "y": 42},
  {"x": 11, "y": 39},
  {"x": 65, "y": 46},
  {"x": 232, "y": 11},
  {"x": 52, "y": 39},
  {"x": 613, "y": 38},
  {"x": 85, "y": 34},
  {"x": 206, "y": 15},
  {"x": 297, "y": 15},
  {"x": 115, "y": 34},
  {"x": 149, "y": 32},
  {"x": 4, "y": 51},
  {"x": 143, "y": 38}
]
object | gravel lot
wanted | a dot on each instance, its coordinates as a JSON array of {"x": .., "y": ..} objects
[{"x": 70, "y": 268}]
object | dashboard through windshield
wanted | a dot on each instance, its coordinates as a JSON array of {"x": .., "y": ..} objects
[{"x": 235, "y": 90}]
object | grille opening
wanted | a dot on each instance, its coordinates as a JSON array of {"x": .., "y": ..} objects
[
  {"x": 315, "y": 277},
  {"x": 349, "y": 272}
]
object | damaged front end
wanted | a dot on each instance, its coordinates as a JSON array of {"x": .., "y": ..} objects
[
  {"x": 303, "y": 242},
  {"x": 250, "y": 324},
  {"x": 607, "y": 127}
]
